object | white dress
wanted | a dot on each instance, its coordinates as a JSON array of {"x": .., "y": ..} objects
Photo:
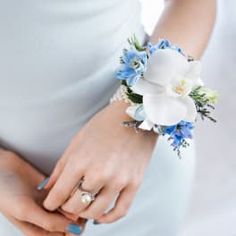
[{"x": 57, "y": 63}]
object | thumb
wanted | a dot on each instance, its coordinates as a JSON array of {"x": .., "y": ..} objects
[{"x": 31, "y": 230}]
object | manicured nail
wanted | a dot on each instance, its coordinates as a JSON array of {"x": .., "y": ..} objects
[
  {"x": 74, "y": 229},
  {"x": 43, "y": 184},
  {"x": 95, "y": 222}
]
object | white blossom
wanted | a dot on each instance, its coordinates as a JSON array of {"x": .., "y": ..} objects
[{"x": 166, "y": 86}]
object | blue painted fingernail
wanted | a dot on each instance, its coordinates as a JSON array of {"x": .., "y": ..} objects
[
  {"x": 95, "y": 222},
  {"x": 74, "y": 229},
  {"x": 43, "y": 184}
]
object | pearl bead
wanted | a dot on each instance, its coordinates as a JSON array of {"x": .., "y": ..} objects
[{"x": 86, "y": 198}]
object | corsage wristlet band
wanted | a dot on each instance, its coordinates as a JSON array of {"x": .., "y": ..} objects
[{"x": 164, "y": 90}]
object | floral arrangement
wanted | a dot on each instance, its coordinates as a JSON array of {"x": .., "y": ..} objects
[{"x": 164, "y": 89}]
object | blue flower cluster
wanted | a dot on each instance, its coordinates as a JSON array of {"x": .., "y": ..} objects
[
  {"x": 163, "y": 44},
  {"x": 134, "y": 64},
  {"x": 134, "y": 61},
  {"x": 179, "y": 132}
]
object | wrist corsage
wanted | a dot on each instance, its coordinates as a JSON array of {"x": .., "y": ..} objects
[{"x": 164, "y": 90}]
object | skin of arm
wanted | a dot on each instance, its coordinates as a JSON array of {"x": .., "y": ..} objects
[{"x": 186, "y": 23}]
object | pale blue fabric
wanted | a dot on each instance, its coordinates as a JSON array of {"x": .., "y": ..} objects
[{"x": 57, "y": 62}]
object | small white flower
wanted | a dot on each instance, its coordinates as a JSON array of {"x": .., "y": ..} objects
[
  {"x": 211, "y": 95},
  {"x": 166, "y": 86}
]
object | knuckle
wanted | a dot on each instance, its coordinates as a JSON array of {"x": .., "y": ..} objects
[
  {"x": 102, "y": 177},
  {"x": 135, "y": 183},
  {"x": 105, "y": 176},
  {"x": 79, "y": 167},
  {"x": 120, "y": 182},
  {"x": 92, "y": 179},
  {"x": 75, "y": 168}
]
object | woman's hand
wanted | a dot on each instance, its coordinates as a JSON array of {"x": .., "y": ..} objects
[
  {"x": 110, "y": 158},
  {"x": 21, "y": 202}
]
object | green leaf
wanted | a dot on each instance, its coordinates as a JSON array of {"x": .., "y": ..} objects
[
  {"x": 133, "y": 40},
  {"x": 134, "y": 97}
]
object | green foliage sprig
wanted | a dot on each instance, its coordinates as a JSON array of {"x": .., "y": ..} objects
[
  {"x": 203, "y": 102},
  {"x": 135, "y": 42},
  {"x": 133, "y": 97}
]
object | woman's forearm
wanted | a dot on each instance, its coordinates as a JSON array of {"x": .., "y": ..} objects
[{"x": 187, "y": 23}]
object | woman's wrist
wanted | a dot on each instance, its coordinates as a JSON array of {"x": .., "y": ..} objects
[
  {"x": 163, "y": 90},
  {"x": 119, "y": 115}
]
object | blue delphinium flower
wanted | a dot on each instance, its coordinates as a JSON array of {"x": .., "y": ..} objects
[
  {"x": 179, "y": 132},
  {"x": 134, "y": 64},
  {"x": 163, "y": 44},
  {"x": 152, "y": 48}
]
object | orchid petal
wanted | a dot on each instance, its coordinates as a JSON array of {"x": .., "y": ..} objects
[
  {"x": 191, "y": 109},
  {"x": 195, "y": 69},
  {"x": 164, "y": 110},
  {"x": 163, "y": 65},
  {"x": 194, "y": 73},
  {"x": 143, "y": 86}
]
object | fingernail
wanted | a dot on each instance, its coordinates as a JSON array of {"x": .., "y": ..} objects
[
  {"x": 74, "y": 229},
  {"x": 95, "y": 222},
  {"x": 43, "y": 184}
]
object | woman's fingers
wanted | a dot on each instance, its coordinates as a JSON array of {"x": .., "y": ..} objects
[
  {"x": 80, "y": 221},
  {"x": 74, "y": 204},
  {"x": 121, "y": 207},
  {"x": 58, "y": 168},
  {"x": 30, "y": 229},
  {"x": 68, "y": 215},
  {"x": 101, "y": 204},
  {"x": 63, "y": 187},
  {"x": 61, "y": 164},
  {"x": 32, "y": 213}
]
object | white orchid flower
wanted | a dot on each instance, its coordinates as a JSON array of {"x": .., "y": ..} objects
[{"x": 166, "y": 86}]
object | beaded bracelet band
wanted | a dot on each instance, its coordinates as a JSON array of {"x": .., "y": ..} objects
[{"x": 164, "y": 90}]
